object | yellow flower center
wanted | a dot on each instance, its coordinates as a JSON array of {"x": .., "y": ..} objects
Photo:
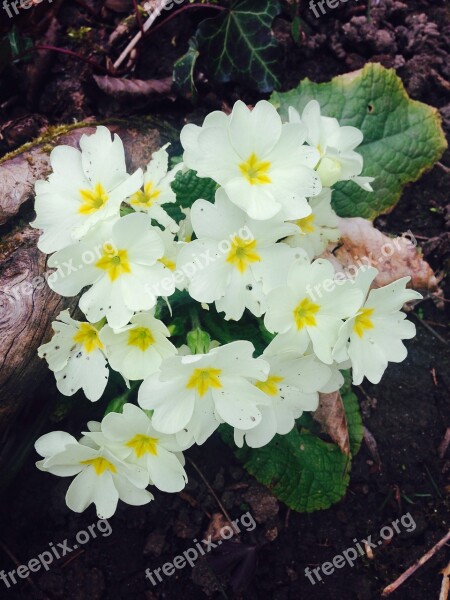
[
  {"x": 270, "y": 386},
  {"x": 141, "y": 337},
  {"x": 93, "y": 200},
  {"x": 242, "y": 253},
  {"x": 145, "y": 198},
  {"x": 114, "y": 262},
  {"x": 363, "y": 321},
  {"x": 143, "y": 444},
  {"x": 168, "y": 263},
  {"x": 256, "y": 170},
  {"x": 100, "y": 465},
  {"x": 203, "y": 379},
  {"x": 304, "y": 313},
  {"x": 87, "y": 336},
  {"x": 306, "y": 224}
]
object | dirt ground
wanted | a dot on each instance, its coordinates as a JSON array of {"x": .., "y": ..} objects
[{"x": 407, "y": 413}]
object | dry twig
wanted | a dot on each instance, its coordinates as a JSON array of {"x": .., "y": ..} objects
[{"x": 426, "y": 557}]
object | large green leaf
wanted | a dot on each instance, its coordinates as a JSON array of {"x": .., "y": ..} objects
[
  {"x": 402, "y": 137},
  {"x": 302, "y": 470},
  {"x": 239, "y": 44},
  {"x": 189, "y": 188}
]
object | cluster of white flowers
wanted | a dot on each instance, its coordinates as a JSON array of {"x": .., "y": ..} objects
[{"x": 257, "y": 247}]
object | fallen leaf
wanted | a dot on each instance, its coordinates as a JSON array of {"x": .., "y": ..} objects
[
  {"x": 332, "y": 418},
  {"x": 133, "y": 88},
  {"x": 362, "y": 244}
]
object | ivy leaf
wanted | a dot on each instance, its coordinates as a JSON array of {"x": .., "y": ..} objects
[
  {"x": 402, "y": 137},
  {"x": 239, "y": 44},
  {"x": 189, "y": 188},
  {"x": 183, "y": 72},
  {"x": 303, "y": 471}
]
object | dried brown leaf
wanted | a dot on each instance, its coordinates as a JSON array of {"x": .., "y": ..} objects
[
  {"x": 363, "y": 244},
  {"x": 332, "y": 418}
]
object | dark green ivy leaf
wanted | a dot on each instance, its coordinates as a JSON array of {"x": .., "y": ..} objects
[
  {"x": 183, "y": 72},
  {"x": 239, "y": 44}
]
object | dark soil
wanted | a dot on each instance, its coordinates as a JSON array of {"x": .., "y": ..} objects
[{"x": 407, "y": 414}]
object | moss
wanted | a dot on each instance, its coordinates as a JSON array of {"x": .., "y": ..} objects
[{"x": 53, "y": 132}]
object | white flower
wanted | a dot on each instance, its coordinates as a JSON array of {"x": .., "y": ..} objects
[
  {"x": 374, "y": 336},
  {"x": 235, "y": 261},
  {"x": 311, "y": 308},
  {"x": 101, "y": 478},
  {"x": 157, "y": 190},
  {"x": 121, "y": 260},
  {"x": 198, "y": 392},
  {"x": 261, "y": 162},
  {"x": 76, "y": 355},
  {"x": 336, "y": 145},
  {"x": 292, "y": 387},
  {"x": 84, "y": 188},
  {"x": 319, "y": 228},
  {"x": 137, "y": 350},
  {"x": 142, "y": 445}
]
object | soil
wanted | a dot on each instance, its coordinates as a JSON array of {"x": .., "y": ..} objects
[{"x": 407, "y": 413}]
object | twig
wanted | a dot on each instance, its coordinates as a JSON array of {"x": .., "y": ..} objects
[
  {"x": 431, "y": 330},
  {"x": 8, "y": 552},
  {"x": 149, "y": 22},
  {"x": 426, "y": 557},
  {"x": 85, "y": 59},
  {"x": 444, "y": 444},
  {"x": 222, "y": 508},
  {"x": 443, "y": 167},
  {"x": 73, "y": 557}
]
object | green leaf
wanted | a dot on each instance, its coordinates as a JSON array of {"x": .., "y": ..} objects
[
  {"x": 189, "y": 188},
  {"x": 303, "y": 471},
  {"x": 183, "y": 72},
  {"x": 402, "y": 137},
  {"x": 354, "y": 421},
  {"x": 239, "y": 44}
]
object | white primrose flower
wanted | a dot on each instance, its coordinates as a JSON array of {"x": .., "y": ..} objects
[
  {"x": 336, "y": 145},
  {"x": 84, "y": 188},
  {"x": 121, "y": 260},
  {"x": 102, "y": 478},
  {"x": 235, "y": 261},
  {"x": 319, "y": 228},
  {"x": 137, "y": 350},
  {"x": 373, "y": 337},
  {"x": 196, "y": 393},
  {"x": 261, "y": 162},
  {"x": 133, "y": 435},
  {"x": 311, "y": 307},
  {"x": 157, "y": 190},
  {"x": 76, "y": 355},
  {"x": 292, "y": 387}
]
